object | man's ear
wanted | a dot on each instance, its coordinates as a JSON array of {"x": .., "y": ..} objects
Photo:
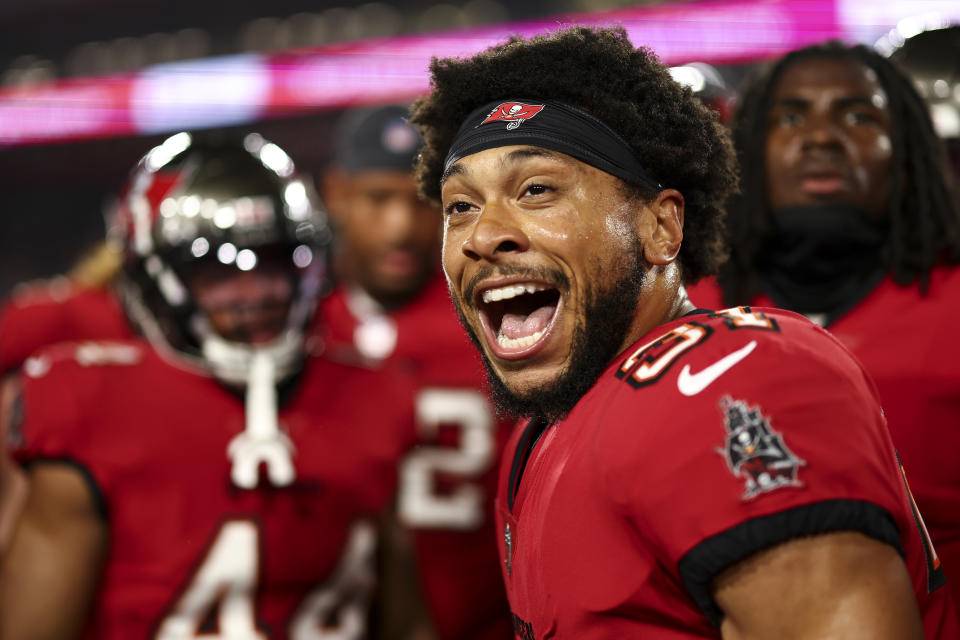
[
  {"x": 662, "y": 223},
  {"x": 335, "y": 187}
]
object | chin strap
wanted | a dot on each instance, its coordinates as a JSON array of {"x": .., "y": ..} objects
[
  {"x": 232, "y": 362},
  {"x": 262, "y": 442}
]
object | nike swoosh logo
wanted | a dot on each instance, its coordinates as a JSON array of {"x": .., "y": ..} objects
[{"x": 690, "y": 384}]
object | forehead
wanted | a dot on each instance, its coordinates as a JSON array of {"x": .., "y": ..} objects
[
  {"x": 383, "y": 178},
  {"x": 840, "y": 77},
  {"x": 507, "y": 157}
]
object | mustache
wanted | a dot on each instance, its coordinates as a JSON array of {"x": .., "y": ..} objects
[
  {"x": 246, "y": 308},
  {"x": 553, "y": 277},
  {"x": 245, "y": 332}
]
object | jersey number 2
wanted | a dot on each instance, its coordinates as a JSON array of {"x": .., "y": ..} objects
[
  {"x": 224, "y": 584},
  {"x": 420, "y": 505}
]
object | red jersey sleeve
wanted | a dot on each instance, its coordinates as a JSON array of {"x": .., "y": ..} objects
[
  {"x": 60, "y": 389},
  {"x": 759, "y": 434},
  {"x": 43, "y": 315}
]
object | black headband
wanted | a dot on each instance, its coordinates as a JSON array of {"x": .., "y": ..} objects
[{"x": 552, "y": 125}]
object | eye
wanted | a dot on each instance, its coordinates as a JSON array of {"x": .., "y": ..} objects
[
  {"x": 787, "y": 119},
  {"x": 536, "y": 190},
  {"x": 859, "y": 117},
  {"x": 377, "y": 197},
  {"x": 457, "y": 206}
]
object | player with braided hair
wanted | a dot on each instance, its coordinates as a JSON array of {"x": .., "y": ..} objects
[
  {"x": 848, "y": 215},
  {"x": 922, "y": 226}
]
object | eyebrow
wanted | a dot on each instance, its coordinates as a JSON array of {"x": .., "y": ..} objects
[
  {"x": 848, "y": 101},
  {"x": 854, "y": 101},
  {"x": 453, "y": 170},
  {"x": 518, "y": 155},
  {"x": 515, "y": 156}
]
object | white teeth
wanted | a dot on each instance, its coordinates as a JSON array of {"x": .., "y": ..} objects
[
  {"x": 519, "y": 343},
  {"x": 511, "y": 291}
]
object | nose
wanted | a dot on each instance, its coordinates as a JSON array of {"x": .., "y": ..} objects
[
  {"x": 495, "y": 234},
  {"x": 821, "y": 131},
  {"x": 246, "y": 288}
]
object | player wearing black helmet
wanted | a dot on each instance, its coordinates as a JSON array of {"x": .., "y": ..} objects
[{"x": 220, "y": 477}]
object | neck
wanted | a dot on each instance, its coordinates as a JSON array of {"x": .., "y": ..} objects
[
  {"x": 662, "y": 300},
  {"x": 681, "y": 305}
]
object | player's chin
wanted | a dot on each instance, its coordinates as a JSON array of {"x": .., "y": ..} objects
[
  {"x": 398, "y": 286},
  {"x": 526, "y": 382}
]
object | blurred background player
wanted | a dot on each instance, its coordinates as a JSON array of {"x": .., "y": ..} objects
[
  {"x": 220, "y": 478},
  {"x": 848, "y": 215},
  {"x": 392, "y": 305},
  {"x": 80, "y": 305}
]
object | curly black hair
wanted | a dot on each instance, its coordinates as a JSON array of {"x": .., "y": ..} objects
[
  {"x": 675, "y": 137},
  {"x": 923, "y": 214}
]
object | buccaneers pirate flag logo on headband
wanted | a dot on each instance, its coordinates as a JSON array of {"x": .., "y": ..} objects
[
  {"x": 553, "y": 125},
  {"x": 513, "y": 113}
]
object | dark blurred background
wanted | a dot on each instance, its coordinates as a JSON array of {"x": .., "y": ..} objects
[{"x": 52, "y": 194}]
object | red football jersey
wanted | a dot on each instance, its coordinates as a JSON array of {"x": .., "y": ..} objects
[
  {"x": 711, "y": 438},
  {"x": 45, "y": 314},
  {"x": 448, "y": 482},
  {"x": 190, "y": 552},
  {"x": 906, "y": 342}
]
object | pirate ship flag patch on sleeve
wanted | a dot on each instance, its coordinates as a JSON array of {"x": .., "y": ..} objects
[{"x": 755, "y": 452}]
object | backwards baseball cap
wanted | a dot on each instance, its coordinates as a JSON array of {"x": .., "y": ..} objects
[{"x": 376, "y": 138}]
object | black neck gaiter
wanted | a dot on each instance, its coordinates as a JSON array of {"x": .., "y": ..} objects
[{"x": 822, "y": 259}]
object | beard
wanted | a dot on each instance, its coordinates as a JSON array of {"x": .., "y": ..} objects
[
  {"x": 597, "y": 339},
  {"x": 393, "y": 295}
]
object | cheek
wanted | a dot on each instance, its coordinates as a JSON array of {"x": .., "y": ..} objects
[
  {"x": 777, "y": 158},
  {"x": 363, "y": 213},
  {"x": 429, "y": 230},
  {"x": 882, "y": 151},
  {"x": 780, "y": 150},
  {"x": 551, "y": 229},
  {"x": 875, "y": 162},
  {"x": 359, "y": 233},
  {"x": 619, "y": 230},
  {"x": 449, "y": 250},
  {"x": 221, "y": 321}
]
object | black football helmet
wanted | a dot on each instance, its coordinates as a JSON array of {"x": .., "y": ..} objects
[
  {"x": 932, "y": 60},
  {"x": 194, "y": 200}
]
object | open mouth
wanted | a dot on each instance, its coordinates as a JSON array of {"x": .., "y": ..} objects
[{"x": 517, "y": 317}]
